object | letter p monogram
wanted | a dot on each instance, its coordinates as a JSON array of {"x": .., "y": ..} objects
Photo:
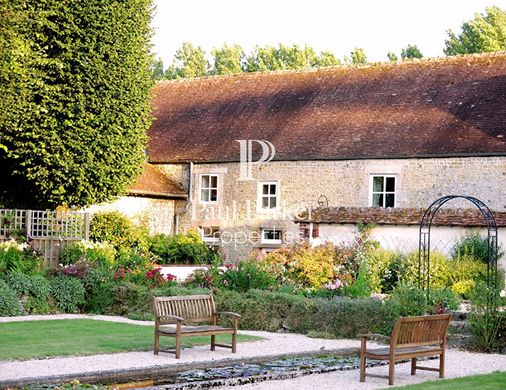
[{"x": 246, "y": 162}]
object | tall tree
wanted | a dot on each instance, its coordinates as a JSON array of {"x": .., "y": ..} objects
[
  {"x": 157, "y": 72},
  {"x": 411, "y": 51},
  {"x": 80, "y": 135},
  {"x": 392, "y": 56},
  {"x": 358, "y": 56},
  {"x": 228, "y": 59},
  {"x": 189, "y": 61},
  {"x": 263, "y": 59},
  {"x": 326, "y": 58},
  {"x": 485, "y": 32},
  {"x": 287, "y": 57}
]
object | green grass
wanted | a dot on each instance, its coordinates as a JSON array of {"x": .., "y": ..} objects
[
  {"x": 38, "y": 339},
  {"x": 494, "y": 381}
]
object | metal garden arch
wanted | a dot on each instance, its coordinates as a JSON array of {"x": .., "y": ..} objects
[{"x": 424, "y": 241}]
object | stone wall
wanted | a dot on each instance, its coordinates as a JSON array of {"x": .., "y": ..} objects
[{"x": 344, "y": 183}]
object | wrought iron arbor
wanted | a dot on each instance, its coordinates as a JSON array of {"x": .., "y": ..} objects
[{"x": 424, "y": 241}]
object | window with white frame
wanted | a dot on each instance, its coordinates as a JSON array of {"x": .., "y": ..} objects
[
  {"x": 271, "y": 236},
  {"x": 383, "y": 191},
  {"x": 209, "y": 188},
  {"x": 268, "y": 195}
]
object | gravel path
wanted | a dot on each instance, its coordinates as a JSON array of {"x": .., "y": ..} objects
[{"x": 459, "y": 363}]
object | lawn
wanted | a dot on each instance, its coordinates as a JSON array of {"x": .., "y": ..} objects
[
  {"x": 494, "y": 381},
  {"x": 38, "y": 339}
]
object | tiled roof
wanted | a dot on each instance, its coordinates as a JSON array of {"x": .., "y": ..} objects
[
  {"x": 153, "y": 182},
  {"x": 398, "y": 216},
  {"x": 454, "y": 106}
]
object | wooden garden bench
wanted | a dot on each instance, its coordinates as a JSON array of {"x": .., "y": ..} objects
[
  {"x": 192, "y": 315},
  {"x": 412, "y": 337}
]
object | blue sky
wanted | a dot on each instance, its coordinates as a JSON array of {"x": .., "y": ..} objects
[{"x": 339, "y": 26}]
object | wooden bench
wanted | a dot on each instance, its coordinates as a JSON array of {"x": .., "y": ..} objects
[
  {"x": 412, "y": 337},
  {"x": 188, "y": 313}
]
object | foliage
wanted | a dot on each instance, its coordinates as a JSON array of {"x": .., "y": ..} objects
[
  {"x": 384, "y": 267},
  {"x": 189, "y": 61},
  {"x": 484, "y": 33},
  {"x": 411, "y": 51},
  {"x": 268, "y": 58},
  {"x": 119, "y": 231},
  {"x": 208, "y": 277},
  {"x": 15, "y": 257},
  {"x": 156, "y": 68},
  {"x": 9, "y": 301},
  {"x": 444, "y": 272},
  {"x": 412, "y": 301},
  {"x": 99, "y": 288},
  {"x": 361, "y": 287},
  {"x": 181, "y": 249},
  {"x": 97, "y": 253},
  {"x": 358, "y": 56},
  {"x": 471, "y": 246},
  {"x": 33, "y": 291},
  {"x": 342, "y": 316},
  {"x": 392, "y": 56},
  {"x": 247, "y": 275},
  {"x": 311, "y": 267},
  {"x": 485, "y": 319},
  {"x": 260, "y": 310},
  {"x": 228, "y": 59},
  {"x": 68, "y": 293},
  {"x": 78, "y": 99}
]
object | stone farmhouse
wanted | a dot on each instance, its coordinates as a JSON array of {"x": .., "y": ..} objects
[{"x": 376, "y": 143}]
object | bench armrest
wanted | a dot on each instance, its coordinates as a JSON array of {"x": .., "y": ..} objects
[
  {"x": 374, "y": 335},
  {"x": 228, "y": 314},
  {"x": 171, "y": 318}
]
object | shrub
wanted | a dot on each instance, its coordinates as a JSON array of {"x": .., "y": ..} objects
[
  {"x": 119, "y": 231},
  {"x": 308, "y": 267},
  {"x": 33, "y": 291},
  {"x": 68, "y": 293},
  {"x": 15, "y": 257},
  {"x": 9, "y": 301},
  {"x": 412, "y": 301},
  {"x": 384, "y": 267},
  {"x": 99, "y": 253},
  {"x": 440, "y": 270},
  {"x": 361, "y": 287},
  {"x": 261, "y": 310},
  {"x": 208, "y": 277},
  {"x": 182, "y": 248},
  {"x": 471, "y": 246},
  {"x": 485, "y": 320},
  {"x": 346, "y": 318},
  {"x": 99, "y": 291},
  {"x": 247, "y": 275}
]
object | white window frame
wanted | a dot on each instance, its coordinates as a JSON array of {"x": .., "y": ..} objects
[
  {"x": 264, "y": 240},
  {"x": 260, "y": 196},
  {"x": 384, "y": 192},
  {"x": 209, "y": 188}
]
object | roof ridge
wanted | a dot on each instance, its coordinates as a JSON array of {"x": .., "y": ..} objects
[{"x": 386, "y": 63}]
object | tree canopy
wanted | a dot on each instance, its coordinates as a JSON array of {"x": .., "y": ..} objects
[
  {"x": 189, "y": 61},
  {"x": 411, "y": 51},
  {"x": 75, "y": 85},
  {"x": 358, "y": 56},
  {"x": 228, "y": 59},
  {"x": 484, "y": 33}
]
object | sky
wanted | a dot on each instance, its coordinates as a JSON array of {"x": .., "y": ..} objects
[{"x": 378, "y": 26}]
